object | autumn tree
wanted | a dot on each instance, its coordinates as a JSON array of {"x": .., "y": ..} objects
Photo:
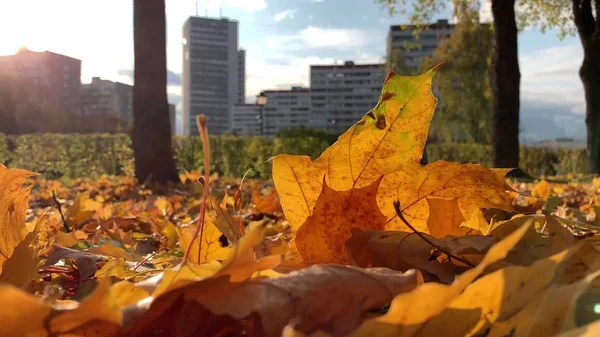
[
  {"x": 575, "y": 17},
  {"x": 463, "y": 85},
  {"x": 505, "y": 86},
  {"x": 151, "y": 131}
]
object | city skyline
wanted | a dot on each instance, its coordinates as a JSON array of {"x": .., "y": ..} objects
[{"x": 282, "y": 39}]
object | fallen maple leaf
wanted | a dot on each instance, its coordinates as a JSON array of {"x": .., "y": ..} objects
[
  {"x": 322, "y": 236},
  {"x": 13, "y": 208},
  {"x": 207, "y": 246},
  {"x": 445, "y": 218},
  {"x": 389, "y": 141},
  {"x": 496, "y": 296},
  {"x": 405, "y": 250},
  {"x": 268, "y": 204},
  {"x": 409, "y": 311}
]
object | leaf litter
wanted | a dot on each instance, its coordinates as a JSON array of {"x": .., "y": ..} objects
[{"x": 363, "y": 241}]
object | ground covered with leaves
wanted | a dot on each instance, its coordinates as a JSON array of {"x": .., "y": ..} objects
[{"x": 363, "y": 241}]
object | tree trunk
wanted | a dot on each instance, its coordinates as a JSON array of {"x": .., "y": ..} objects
[
  {"x": 589, "y": 34},
  {"x": 506, "y": 86},
  {"x": 151, "y": 128}
]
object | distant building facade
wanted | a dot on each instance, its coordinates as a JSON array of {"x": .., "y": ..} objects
[
  {"x": 241, "y": 76},
  {"x": 286, "y": 109},
  {"x": 210, "y": 77},
  {"x": 245, "y": 119},
  {"x": 53, "y": 80},
  {"x": 341, "y": 94},
  {"x": 104, "y": 97},
  {"x": 401, "y": 38}
]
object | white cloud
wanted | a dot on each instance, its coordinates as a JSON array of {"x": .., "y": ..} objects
[
  {"x": 287, "y": 14},
  {"x": 551, "y": 75},
  {"x": 315, "y": 37},
  {"x": 287, "y": 71},
  {"x": 317, "y": 0}
]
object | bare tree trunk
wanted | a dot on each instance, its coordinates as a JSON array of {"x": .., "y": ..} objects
[
  {"x": 506, "y": 84},
  {"x": 151, "y": 128},
  {"x": 589, "y": 34}
]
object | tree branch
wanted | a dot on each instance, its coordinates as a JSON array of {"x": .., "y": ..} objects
[
  {"x": 584, "y": 20},
  {"x": 450, "y": 255}
]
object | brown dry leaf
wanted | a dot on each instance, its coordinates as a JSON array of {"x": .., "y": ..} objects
[
  {"x": 445, "y": 218},
  {"x": 389, "y": 141},
  {"x": 550, "y": 313},
  {"x": 267, "y": 205},
  {"x": 493, "y": 297},
  {"x": 13, "y": 208},
  {"x": 322, "y": 237},
  {"x": 22, "y": 314},
  {"x": 86, "y": 262},
  {"x": 207, "y": 246},
  {"x": 404, "y": 251},
  {"x": 317, "y": 297},
  {"x": 409, "y": 311}
]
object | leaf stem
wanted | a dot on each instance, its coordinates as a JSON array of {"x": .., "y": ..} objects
[
  {"x": 203, "y": 129},
  {"x": 65, "y": 225},
  {"x": 450, "y": 255}
]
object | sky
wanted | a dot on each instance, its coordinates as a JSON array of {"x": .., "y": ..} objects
[{"x": 282, "y": 39}]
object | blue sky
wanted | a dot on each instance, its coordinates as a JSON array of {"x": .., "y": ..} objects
[{"x": 282, "y": 38}]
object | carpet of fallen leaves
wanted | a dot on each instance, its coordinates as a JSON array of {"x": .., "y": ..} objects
[{"x": 363, "y": 241}]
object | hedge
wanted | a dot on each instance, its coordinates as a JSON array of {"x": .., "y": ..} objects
[{"x": 76, "y": 155}]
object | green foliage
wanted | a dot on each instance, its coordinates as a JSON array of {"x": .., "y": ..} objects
[
  {"x": 302, "y": 131},
  {"x": 73, "y": 155},
  {"x": 4, "y": 151},
  {"x": 465, "y": 111},
  {"x": 92, "y": 155}
]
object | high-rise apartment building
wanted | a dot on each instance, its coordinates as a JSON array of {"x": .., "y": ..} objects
[
  {"x": 53, "y": 81},
  {"x": 402, "y": 38},
  {"x": 342, "y": 94},
  {"x": 241, "y": 76},
  {"x": 245, "y": 119},
  {"x": 210, "y": 78},
  {"x": 104, "y": 97},
  {"x": 284, "y": 109}
]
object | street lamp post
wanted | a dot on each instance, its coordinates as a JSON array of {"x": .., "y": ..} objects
[{"x": 261, "y": 100}]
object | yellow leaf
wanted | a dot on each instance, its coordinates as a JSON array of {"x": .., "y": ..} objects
[
  {"x": 23, "y": 265},
  {"x": 389, "y": 141},
  {"x": 495, "y": 296},
  {"x": 13, "y": 208},
  {"x": 231, "y": 226},
  {"x": 22, "y": 314},
  {"x": 66, "y": 239},
  {"x": 550, "y": 313},
  {"x": 111, "y": 250},
  {"x": 322, "y": 237},
  {"x": 162, "y": 204},
  {"x": 82, "y": 210},
  {"x": 116, "y": 268},
  {"x": 126, "y": 293},
  {"x": 207, "y": 246},
  {"x": 445, "y": 218},
  {"x": 170, "y": 232},
  {"x": 409, "y": 311},
  {"x": 477, "y": 222},
  {"x": 542, "y": 189}
]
